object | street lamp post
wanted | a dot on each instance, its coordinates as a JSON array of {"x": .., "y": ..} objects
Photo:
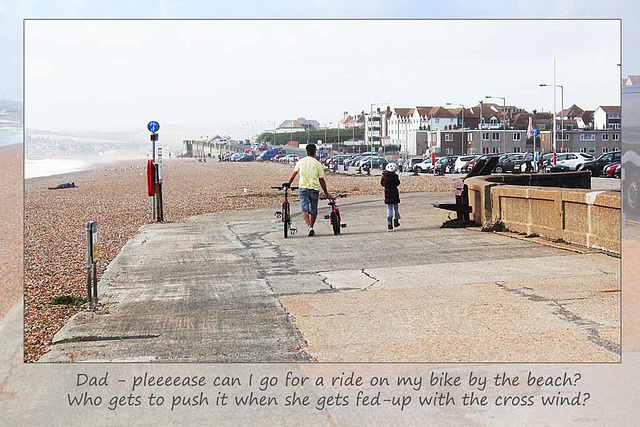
[
  {"x": 461, "y": 105},
  {"x": 555, "y": 114},
  {"x": 370, "y": 120},
  {"x": 504, "y": 121},
  {"x": 480, "y": 123}
]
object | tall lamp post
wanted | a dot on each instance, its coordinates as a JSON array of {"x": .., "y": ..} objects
[
  {"x": 370, "y": 120},
  {"x": 259, "y": 121},
  {"x": 480, "y": 123},
  {"x": 561, "y": 111},
  {"x": 504, "y": 120},
  {"x": 555, "y": 112},
  {"x": 461, "y": 105}
]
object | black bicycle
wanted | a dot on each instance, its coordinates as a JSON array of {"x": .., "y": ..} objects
[
  {"x": 285, "y": 213},
  {"x": 334, "y": 216}
]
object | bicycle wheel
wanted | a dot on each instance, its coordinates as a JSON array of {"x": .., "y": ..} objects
[
  {"x": 335, "y": 223},
  {"x": 286, "y": 219}
]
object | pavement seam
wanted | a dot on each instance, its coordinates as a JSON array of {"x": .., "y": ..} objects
[
  {"x": 375, "y": 280},
  {"x": 288, "y": 318},
  {"x": 593, "y": 335}
]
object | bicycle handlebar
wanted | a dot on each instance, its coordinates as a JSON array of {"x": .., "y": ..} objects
[
  {"x": 282, "y": 188},
  {"x": 337, "y": 196}
]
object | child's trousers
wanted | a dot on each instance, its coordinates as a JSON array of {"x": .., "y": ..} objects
[{"x": 391, "y": 208}]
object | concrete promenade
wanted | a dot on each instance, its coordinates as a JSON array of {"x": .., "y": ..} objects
[{"x": 228, "y": 288}]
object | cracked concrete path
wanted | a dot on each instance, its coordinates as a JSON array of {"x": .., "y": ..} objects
[{"x": 228, "y": 288}]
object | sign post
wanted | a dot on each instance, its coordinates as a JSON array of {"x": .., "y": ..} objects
[
  {"x": 91, "y": 229},
  {"x": 153, "y": 127},
  {"x": 159, "y": 185}
]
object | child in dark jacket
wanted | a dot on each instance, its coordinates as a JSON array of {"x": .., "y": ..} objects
[{"x": 390, "y": 182}]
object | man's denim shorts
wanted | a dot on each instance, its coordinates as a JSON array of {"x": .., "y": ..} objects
[{"x": 309, "y": 199}]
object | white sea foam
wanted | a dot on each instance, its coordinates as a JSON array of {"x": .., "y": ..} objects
[{"x": 47, "y": 167}]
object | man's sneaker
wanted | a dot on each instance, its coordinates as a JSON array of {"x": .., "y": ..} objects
[
  {"x": 389, "y": 224},
  {"x": 311, "y": 232},
  {"x": 396, "y": 222}
]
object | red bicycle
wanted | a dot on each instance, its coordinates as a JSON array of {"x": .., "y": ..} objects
[
  {"x": 334, "y": 216},
  {"x": 285, "y": 213}
]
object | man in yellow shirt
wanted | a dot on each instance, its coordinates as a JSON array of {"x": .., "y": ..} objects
[{"x": 311, "y": 179}]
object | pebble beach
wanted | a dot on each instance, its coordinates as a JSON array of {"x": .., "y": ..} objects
[
  {"x": 10, "y": 226},
  {"x": 115, "y": 197}
]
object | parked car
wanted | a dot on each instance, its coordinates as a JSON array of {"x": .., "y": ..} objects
[
  {"x": 460, "y": 162},
  {"x": 618, "y": 172},
  {"x": 354, "y": 160},
  {"x": 244, "y": 157},
  {"x": 410, "y": 163},
  {"x": 267, "y": 155},
  {"x": 378, "y": 162},
  {"x": 573, "y": 161},
  {"x": 277, "y": 157},
  {"x": 609, "y": 169},
  {"x": 595, "y": 166},
  {"x": 509, "y": 163},
  {"x": 424, "y": 166},
  {"x": 444, "y": 165},
  {"x": 340, "y": 158},
  {"x": 289, "y": 158}
]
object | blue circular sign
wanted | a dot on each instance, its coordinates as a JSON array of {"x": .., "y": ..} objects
[
  {"x": 153, "y": 126},
  {"x": 534, "y": 132}
]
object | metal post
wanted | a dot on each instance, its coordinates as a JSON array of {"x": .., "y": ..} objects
[
  {"x": 463, "y": 141},
  {"x": 153, "y": 198},
  {"x": 562, "y": 117},
  {"x": 481, "y": 130},
  {"x": 555, "y": 113},
  {"x": 95, "y": 283},
  {"x": 87, "y": 228},
  {"x": 504, "y": 125}
]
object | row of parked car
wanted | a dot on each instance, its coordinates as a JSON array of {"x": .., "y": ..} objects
[
  {"x": 607, "y": 164},
  {"x": 362, "y": 161}
]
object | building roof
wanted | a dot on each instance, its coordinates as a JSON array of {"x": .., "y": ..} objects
[
  {"x": 573, "y": 111},
  {"x": 610, "y": 109},
  {"x": 441, "y": 112},
  {"x": 403, "y": 111},
  {"x": 587, "y": 116}
]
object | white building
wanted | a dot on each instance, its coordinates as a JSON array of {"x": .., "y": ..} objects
[{"x": 607, "y": 117}]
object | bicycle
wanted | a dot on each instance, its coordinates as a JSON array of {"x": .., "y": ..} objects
[
  {"x": 285, "y": 213},
  {"x": 334, "y": 216}
]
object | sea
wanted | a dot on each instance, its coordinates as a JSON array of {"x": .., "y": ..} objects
[
  {"x": 10, "y": 135},
  {"x": 34, "y": 168}
]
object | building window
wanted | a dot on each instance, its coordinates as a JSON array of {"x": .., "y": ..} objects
[
  {"x": 517, "y": 137},
  {"x": 583, "y": 150},
  {"x": 616, "y": 125},
  {"x": 493, "y": 121},
  {"x": 592, "y": 150},
  {"x": 437, "y": 120},
  {"x": 494, "y": 149},
  {"x": 495, "y": 136},
  {"x": 588, "y": 137},
  {"x": 605, "y": 150},
  {"x": 517, "y": 150},
  {"x": 615, "y": 149},
  {"x": 605, "y": 136},
  {"x": 616, "y": 136},
  {"x": 485, "y": 136},
  {"x": 485, "y": 150},
  {"x": 448, "y": 137}
]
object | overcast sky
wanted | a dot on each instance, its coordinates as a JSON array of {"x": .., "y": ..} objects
[{"x": 211, "y": 76}]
